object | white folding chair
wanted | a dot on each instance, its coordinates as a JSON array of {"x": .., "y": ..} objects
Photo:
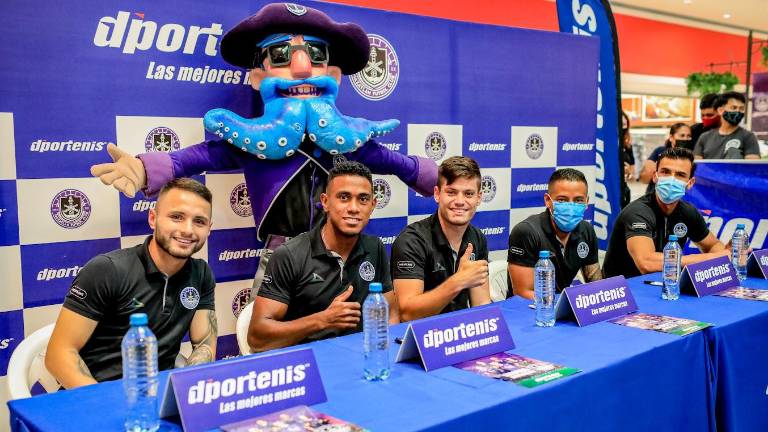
[
  {"x": 243, "y": 321},
  {"x": 497, "y": 276},
  {"x": 27, "y": 365}
]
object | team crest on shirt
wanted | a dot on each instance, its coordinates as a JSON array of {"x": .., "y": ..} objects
[
  {"x": 162, "y": 139},
  {"x": 367, "y": 271},
  {"x": 189, "y": 297},
  {"x": 680, "y": 229},
  {"x": 70, "y": 208},
  {"x": 240, "y": 301},
  {"x": 582, "y": 250}
]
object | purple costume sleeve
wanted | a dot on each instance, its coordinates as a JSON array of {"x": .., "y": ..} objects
[
  {"x": 419, "y": 173},
  {"x": 206, "y": 156}
]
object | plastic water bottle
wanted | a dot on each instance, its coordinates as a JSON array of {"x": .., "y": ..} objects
[
  {"x": 739, "y": 247},
  {"x": 673, "y": 256},
  {"x": 140, "y": 376},
  {"x": 376, "y": 334},
  {"x": 544, "y": 290}
]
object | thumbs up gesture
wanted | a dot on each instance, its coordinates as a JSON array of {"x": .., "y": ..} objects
[
  {"x": 471, "y": 273},
  {"x": 341, "y": 314},
  {"x": 126, "y": 172}
]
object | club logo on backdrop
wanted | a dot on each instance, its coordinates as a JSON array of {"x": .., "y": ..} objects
[
  {"x": 70, "y": 208},
  {"x": 295, "y": 9},
  {"x": 240, "y": 301},
  {"x": 381, "y": 192},
  {"x": 162, "y": 139},
  {"x": 488, "y": 188},
  {"x": 378, "y": 78},
  {"x": 582, "y": 250},
  {"x": 761, "y": 103},
  {"x": 680, "y": 229},
  {"x": 534, "y": 146},
  {"x": 240, "y": 201},
  {"x": 435, "y": 146},
  {"x": 189, "y": 297},
  {"x": 367, "y": 271}
]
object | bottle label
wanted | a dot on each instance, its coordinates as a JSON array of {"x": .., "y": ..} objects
[
  {"x": 596, "y": 301},
  {"x": 708, "y": 277},
  {"x": 445, "y": 340}
]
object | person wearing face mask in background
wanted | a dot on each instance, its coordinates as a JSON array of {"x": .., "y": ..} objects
[
  {"x": 643, "y": 227},
  {"x": 627, "y": 158},
  {"x": 729, "y": 141},
  {"x": 710, "y": 119},
  {"x": 560, "y": 229},
  {"x": 679, "y": 136}
]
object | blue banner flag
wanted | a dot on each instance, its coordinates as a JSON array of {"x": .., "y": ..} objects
[{"x": 594, "y": 18}]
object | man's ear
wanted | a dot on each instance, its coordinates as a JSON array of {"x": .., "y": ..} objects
[
  {"x": 691, "y": 182},
  {"x": 257, "y": 75},
  {"x": 151, "y": 218},
  {"x": 335, "y": 73}
]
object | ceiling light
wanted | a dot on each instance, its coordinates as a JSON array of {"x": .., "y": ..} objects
[
  {"x": 726, "y": 15},
  {"x": 687, "y": 1}
]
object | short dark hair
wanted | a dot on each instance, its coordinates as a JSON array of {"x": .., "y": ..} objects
[
  {"x": 455, "y": 167},
  {"x": 677, "y": 153},
  {"x": 187, "y": 184},
  {"x": 723, "y": 99},
  {"x": 673, "y": 130},
  {"x": 708, "y": 100},
  {"x": 567, "y": 174},
  {"x": 348, "y": 167}
]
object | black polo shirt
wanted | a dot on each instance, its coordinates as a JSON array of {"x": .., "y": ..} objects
[
  {"x": 536, "y": 234},
  {"x": 114, "y": 285},
  {"x": 421, "y": 251},
  {"x": 643, "y": 217},
  {"x": 306, "y": 276}
]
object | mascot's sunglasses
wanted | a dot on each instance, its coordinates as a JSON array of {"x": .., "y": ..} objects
[{"x": 280, "y": 54}]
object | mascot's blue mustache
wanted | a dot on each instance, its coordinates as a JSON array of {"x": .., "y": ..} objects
[{"x": 279, "y": 132}]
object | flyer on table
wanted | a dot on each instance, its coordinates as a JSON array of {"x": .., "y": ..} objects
[
  {"x": 661, "y": 323},
  {"x": 521, "y": 370}
]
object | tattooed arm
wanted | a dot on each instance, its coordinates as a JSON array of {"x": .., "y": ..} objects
[
  {"x": 591, "y": 272},
  {"x": 203, "y": 332},
  {"x": 62, "y": 357}
]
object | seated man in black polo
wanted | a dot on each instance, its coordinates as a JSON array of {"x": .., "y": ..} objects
[
  {"x": 157, "y": 278},
  {"x": 315, "y": 283},
  {"x": 440, "y": 264},
  {"x": 571, "y": 241},
  {"x": 644, "y": 226}
]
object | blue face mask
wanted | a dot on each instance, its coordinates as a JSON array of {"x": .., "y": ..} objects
[
  {"x": 670, "y": 189},
  {"x": 567, "y": 214}
]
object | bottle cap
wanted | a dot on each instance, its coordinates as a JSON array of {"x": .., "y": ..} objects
[
  {"x": 740, "y": 226},
  {"x": 139, "y": 319},
  {"x": 544, "y": 254},
  {"x": 672, "y": 237},
  {"x": 374, "y": 287}
]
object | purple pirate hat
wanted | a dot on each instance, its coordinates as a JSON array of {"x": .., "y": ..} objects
[{"x": 348, "y": 44}]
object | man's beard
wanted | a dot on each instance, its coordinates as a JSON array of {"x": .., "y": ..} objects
[{"x": 165, "y": 242}]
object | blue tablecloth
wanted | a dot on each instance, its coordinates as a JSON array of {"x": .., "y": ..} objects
[{"x": 632, "y": 379}]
